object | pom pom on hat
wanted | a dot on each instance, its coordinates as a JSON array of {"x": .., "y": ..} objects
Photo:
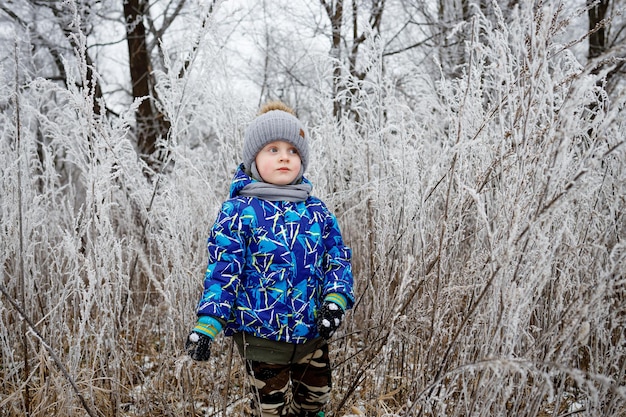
[{"x": 276, "y": 121}]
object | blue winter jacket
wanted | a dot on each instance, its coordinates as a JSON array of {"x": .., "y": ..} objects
[{"x": 271, "y": 263}]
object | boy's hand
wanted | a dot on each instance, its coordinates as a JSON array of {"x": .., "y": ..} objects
[
  {"x": 329, "y": 319},
  {"x": 198, "y": 346}
]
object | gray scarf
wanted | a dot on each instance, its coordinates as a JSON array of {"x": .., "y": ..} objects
[{"x": 271, "y": 192}]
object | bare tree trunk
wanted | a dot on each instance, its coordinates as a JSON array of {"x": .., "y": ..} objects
[
  {"x": 334, "y": 11},
  {"x": 151, "y": 124},
  {"x": 452, "y": 49},
  {"x": 600, "y": 42},
  {"x": 597, "y": 40},
  {"x": 597, "y": 46}
]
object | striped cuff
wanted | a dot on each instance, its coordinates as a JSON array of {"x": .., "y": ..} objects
[
  {"x": 208, "y": 325},
  {"x": 338, "y": 299}
]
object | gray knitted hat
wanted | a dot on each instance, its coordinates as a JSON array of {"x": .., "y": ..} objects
[{"x": 275, "y": 125}]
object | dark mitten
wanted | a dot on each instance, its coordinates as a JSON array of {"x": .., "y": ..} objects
[
  {"x": 198, "y": 346},
  {"x": 329, "y": 319}
]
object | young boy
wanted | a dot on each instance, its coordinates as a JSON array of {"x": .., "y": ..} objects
[{"x": 279, "y": 278}]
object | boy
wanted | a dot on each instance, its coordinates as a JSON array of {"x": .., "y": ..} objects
[{"x": 279, "y": 278}]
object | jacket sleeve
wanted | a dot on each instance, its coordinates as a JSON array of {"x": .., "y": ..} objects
[
  {"x": 226, "y": 252},
  {"x": 337, "y": 262}
]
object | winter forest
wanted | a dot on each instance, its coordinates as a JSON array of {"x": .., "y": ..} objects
[{"x": 472, "y": 150}]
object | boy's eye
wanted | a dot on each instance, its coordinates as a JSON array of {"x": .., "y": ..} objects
[{"x": 293, "y": 151}]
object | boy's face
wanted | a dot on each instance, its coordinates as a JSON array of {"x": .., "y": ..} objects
[{"x": 278, "y": 163}]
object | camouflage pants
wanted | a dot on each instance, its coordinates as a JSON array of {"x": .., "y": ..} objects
[{"x": 296, "y": 390}]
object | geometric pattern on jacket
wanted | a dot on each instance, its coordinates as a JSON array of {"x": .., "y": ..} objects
[{"x": 271, "y": 263}]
